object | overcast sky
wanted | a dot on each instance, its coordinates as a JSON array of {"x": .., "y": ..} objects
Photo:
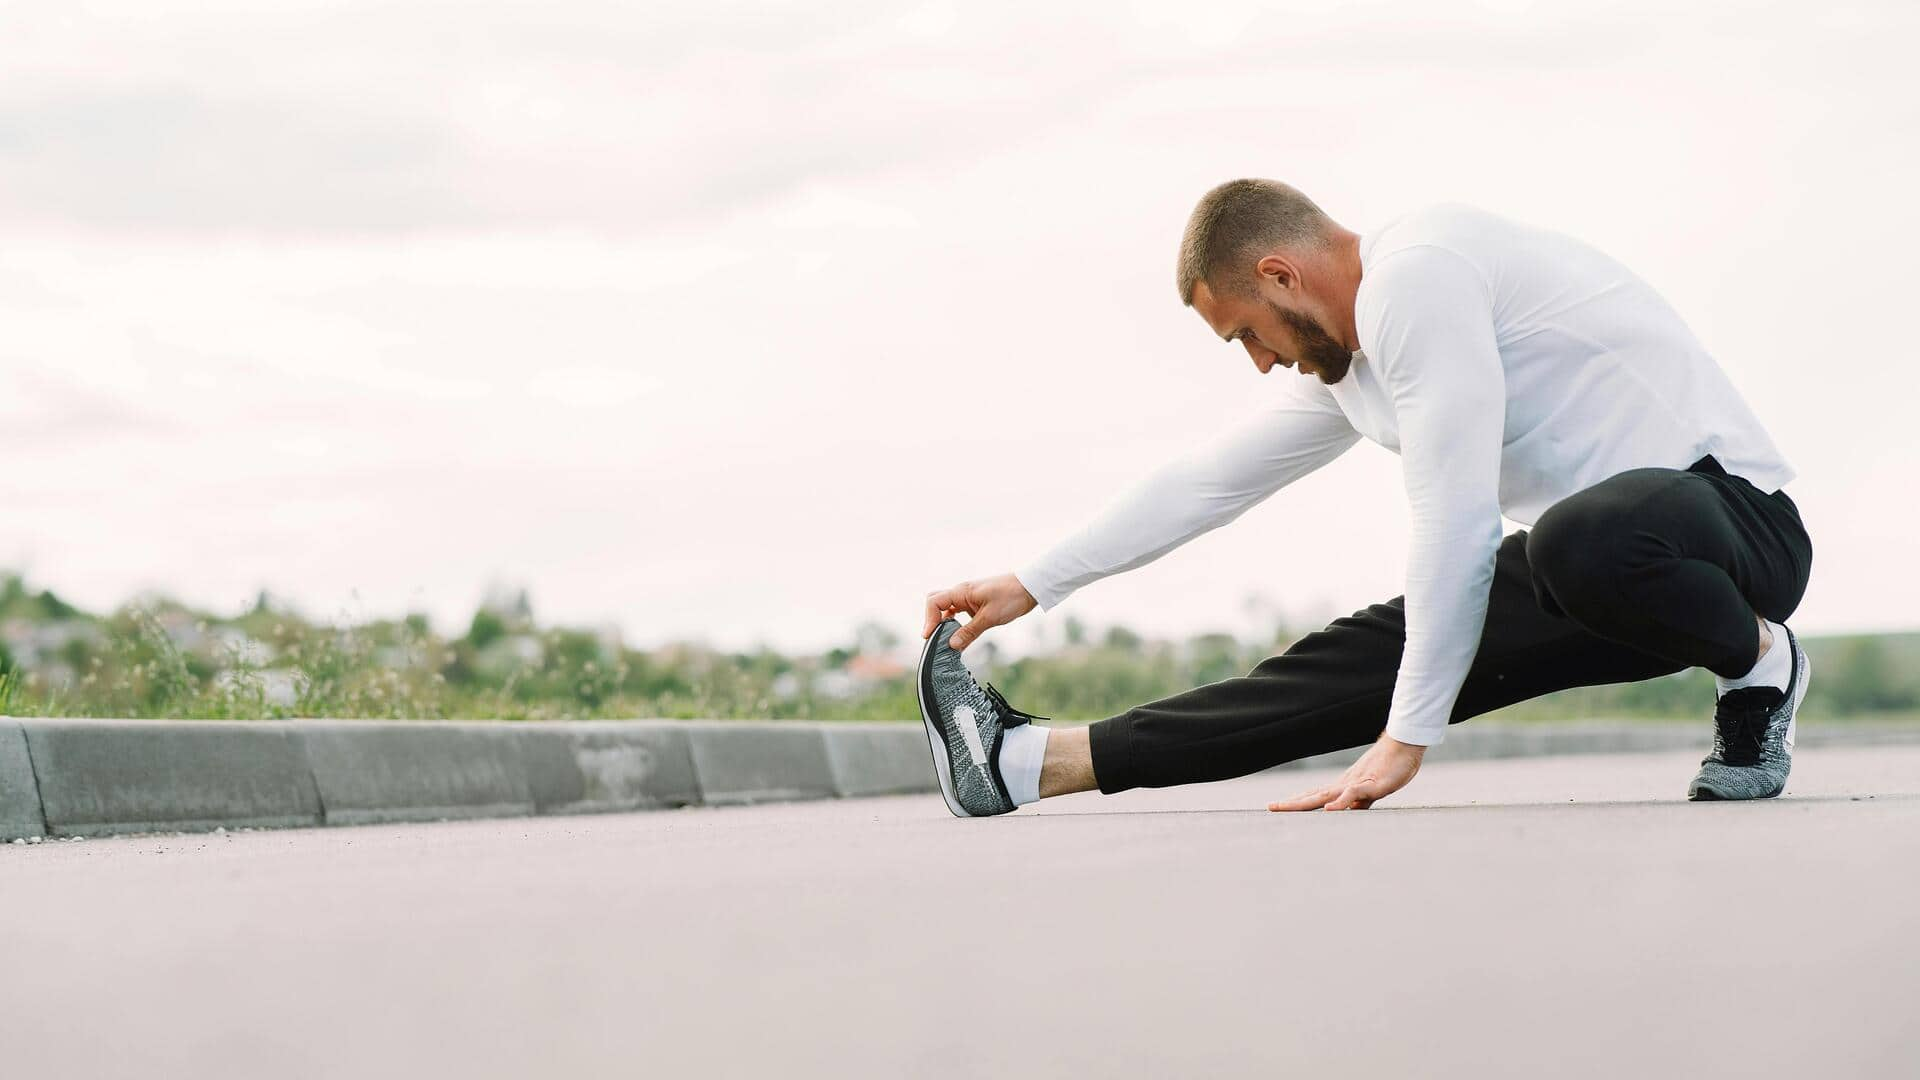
[{"x": 748, "y": 322}]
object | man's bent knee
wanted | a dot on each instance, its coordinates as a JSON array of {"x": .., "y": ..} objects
[
  {"x": 1580, "y": 545},
  {"x": 1575, "y": 548},
  {"x": 1563, "y": 560}
]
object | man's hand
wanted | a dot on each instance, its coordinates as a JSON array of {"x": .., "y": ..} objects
[
  {"x": 990, "y": 601},
  {"x": 1384, "y": 769}
]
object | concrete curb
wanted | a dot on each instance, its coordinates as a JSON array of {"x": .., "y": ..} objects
[
  {"x": 608, "y": 766},
  {"x": 371, "y": 773},
  {"x": 747, "y": 763},
  {"x": 879, "y": 759},
  {"x": 99, "y": 777},
  {"x": 20, "y": 814}
]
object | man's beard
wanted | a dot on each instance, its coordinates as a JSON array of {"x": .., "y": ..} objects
[{"x": 1329, "y": 358}]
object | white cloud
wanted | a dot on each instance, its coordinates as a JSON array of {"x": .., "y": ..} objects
[{"x": 591, "y": 387}]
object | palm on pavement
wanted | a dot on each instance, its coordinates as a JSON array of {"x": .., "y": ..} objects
[{"x": 1385, "y": 768}]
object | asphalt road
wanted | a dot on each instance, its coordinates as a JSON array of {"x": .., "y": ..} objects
[{"x": 1549, "y": 917}]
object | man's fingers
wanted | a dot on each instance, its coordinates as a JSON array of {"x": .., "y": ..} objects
[
  {"x": 1357, "y": 796},
  {"x": 1307, "y": 800},
  {"x": 945, "y": 602},
  {"x": 964, "y": 636}
]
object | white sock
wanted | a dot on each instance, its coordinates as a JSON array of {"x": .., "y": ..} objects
[
  {"x": 1774, "y": 669},
  {"x": 1022, "y": 751}
]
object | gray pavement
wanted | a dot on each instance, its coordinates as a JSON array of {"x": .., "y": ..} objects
[{"x": 1533, "y": 917}]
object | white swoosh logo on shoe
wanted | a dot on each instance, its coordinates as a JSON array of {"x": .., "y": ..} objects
[{"x": 969, "y": 725}]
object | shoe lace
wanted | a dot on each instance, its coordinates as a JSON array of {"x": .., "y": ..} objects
[
  {"x": 1740, "y": 719},
  {"x": 1006, "y": 710}
]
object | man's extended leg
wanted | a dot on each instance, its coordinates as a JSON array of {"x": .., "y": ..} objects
[
  {"x": 1331, "y": 690},
  {"x": 1069, "y": 763}
]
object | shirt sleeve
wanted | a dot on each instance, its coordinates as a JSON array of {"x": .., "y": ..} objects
[
  {"x": 1426, "y": 320},
  {"x": 1199, "y": 492}
]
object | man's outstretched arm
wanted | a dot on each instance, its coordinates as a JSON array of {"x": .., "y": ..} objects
[
  {"x": 1197, "y": 493},
  {"x": 1295, "y": 435}
]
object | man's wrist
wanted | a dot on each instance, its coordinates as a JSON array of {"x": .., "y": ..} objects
[{"x": 1419, "y": 750}]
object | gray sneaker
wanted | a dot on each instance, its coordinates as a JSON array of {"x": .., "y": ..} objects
[
  {"x": 1753, "y": 738},
  {"x": 965, "y": 725}
]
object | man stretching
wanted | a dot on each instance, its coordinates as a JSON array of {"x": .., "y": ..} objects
[{"x": 1515, "y": 370}]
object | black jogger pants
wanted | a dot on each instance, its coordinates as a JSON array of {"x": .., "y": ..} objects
[{"x": 1648, "y": 572}]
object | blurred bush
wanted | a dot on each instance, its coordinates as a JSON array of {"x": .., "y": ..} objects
[{"x": 155, "y": 657}]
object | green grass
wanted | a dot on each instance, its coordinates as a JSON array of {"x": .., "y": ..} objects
[{"x": 162, "y": 660}]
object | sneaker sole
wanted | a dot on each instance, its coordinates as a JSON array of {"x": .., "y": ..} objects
[
  {"x": 936, "y": 739},
  {"x": 1707, "y": 794}
]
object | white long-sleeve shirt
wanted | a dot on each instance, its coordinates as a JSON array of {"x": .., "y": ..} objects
[{"x": 1509, "y": 366}]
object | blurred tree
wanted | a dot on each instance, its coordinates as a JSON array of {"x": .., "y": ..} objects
[
  {"x": 52, "y": 607},
  {"x": 487, "y": 627},
  {"x": 75, "y": 653}
]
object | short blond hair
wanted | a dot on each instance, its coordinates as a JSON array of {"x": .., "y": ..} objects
[{"x": 1238, "y": 218}]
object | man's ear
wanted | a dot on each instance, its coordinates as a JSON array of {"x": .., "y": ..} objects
[{"x": 1279, "y": 269}]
